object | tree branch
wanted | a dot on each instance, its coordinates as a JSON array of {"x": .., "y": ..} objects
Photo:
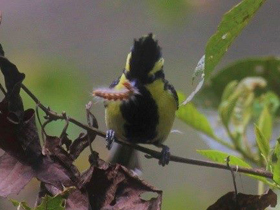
[{"x": 55, "y": 116}]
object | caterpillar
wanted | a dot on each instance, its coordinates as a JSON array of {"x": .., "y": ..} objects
[{"x": 116, "y": 95}]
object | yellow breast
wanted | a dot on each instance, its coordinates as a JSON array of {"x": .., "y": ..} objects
[{"x": 167, "y": 107}]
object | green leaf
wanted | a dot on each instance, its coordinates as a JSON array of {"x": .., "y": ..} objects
[
  {"x": 230, "y": 27},
  {"x": 56, "y": 202},
  {"x": 198, "y": 72},
  {"x": 20, "y": 205},
  {"x": 191, "y": 116},
  {"x": 51, "y": 203},
  {"x": 272, "y": 101},
  {"x": 276, "y": 172},
  {"x": 226, "y": 108},
  {"x": 229, "y": 89},
  {"x": 262, "y": 142},
  {"x": 265, "y": 67},
  {"x": 269, "y": 100},
  {"x": 220, "y": 157},
  {"x": 276, "y": 164},
  {"x": 277, "y": 148},
  {"x": 265, "y": 123}
]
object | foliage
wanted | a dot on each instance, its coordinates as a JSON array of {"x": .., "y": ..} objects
[
  {"x": 245, "y": 97},
  {"x": 190, "y": 115},
  {"x": 230, "y": 27},
  {"x": 56, "y": 202}
]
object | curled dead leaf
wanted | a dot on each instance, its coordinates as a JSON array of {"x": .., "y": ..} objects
[
  {"x": 115, "y": 187},
  {"x": 245, "y": 202}
]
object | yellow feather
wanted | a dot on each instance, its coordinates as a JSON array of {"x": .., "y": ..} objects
[
  {"x": 127, "y": 61},
  {"x": 113, "y": 116},
  {"x": 158, "y": 66},
  {"x": 166, "y": 108}
]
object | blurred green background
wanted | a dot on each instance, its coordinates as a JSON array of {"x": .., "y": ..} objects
[{"x": 67, "y": 47}]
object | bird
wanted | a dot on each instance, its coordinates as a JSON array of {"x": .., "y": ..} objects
[{"x": 140, "y": 105}]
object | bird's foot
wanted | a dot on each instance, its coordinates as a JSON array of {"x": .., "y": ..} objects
[
  {"x": 164, "y": 156},
  {"x": 110, "y": 138}
]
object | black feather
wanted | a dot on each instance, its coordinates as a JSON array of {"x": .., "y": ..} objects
[
  {"x": 141, "y": 117},
  {"x": 144, "y": 54}
]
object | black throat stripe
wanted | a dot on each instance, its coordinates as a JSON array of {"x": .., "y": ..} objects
[{"x": 141, "y": 117}]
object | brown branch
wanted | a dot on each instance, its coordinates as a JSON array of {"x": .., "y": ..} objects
[{"x": 55, "y": 116}]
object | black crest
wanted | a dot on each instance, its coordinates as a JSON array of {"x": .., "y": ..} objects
[{"x": 144, "y": 54}]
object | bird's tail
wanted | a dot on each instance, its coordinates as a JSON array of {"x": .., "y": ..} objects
[{"x": 125, "y": 156}]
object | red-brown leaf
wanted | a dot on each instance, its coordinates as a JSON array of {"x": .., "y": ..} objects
[
  {"x": 14, "y": 175},
  {"x": 79, "y": 145},
  {"x": 115, "y": 187},
  {"x": 245, "y": 202},
  {"x": 54, "y": 149}
]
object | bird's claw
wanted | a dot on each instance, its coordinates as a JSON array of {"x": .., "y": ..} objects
[
  {"x": 164, "y": 156},
  {"x": 110, "y": 138}
]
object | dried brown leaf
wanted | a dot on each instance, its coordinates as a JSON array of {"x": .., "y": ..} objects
[
  {"x": 19, "y": 138},
  {"x": 22, "y": 142},
  {"x": 51, "y": 172},
  {"x": 66, "y": 141},
  {"x": 27, "y": 135},
  {"x": 54, "y": 149},
  {"x": 245, "y": 202},
  {"x": 13, "y": 79},
  {"x": 79, "y": 145},
  {"x": 77, "y": 200},
  {"x": 14, "y": 175},
  {"x": 8, "y": 136},
  {"x": 2, "y": 53},
  {"x": 115, "y": 187}
]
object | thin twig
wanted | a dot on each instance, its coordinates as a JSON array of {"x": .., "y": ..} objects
[
  {"x": 152, "y": 153},
  {"x": 233, "y": 176},
  {"x": 89, "y": 121},
  {"x": 43, "y": 132},
  {"x": 38, "y": 115},
  {"x": 64, "y": 131}
]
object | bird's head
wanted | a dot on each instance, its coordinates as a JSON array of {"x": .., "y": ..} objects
[{"x": 144, "y": 60}]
